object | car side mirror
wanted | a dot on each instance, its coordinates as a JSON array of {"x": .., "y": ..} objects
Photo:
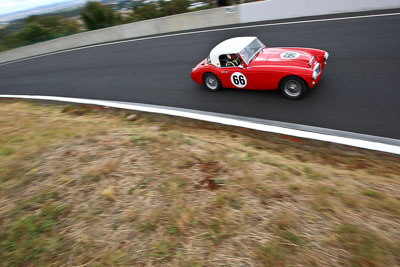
[{"x": 241, "y": 67}]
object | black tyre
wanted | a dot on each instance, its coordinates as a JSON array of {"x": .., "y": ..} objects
[
  {"x": 211, "y": 82},
  {"x": 293, "y": 87}
]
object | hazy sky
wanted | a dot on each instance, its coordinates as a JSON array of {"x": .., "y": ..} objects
[{"x": 10, "y": 6}]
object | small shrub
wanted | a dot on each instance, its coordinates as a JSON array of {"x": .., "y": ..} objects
[
  {"x": 311, "y": 174},
  {"x": 364, "y": 247},
  {"x": 249, "y": 157},
  {"x": 163, "y": 250},
  {"x": 6, "y": 151},
  {"x": 29, "y": 241},
  {"x": 109, "y": 193},
  {"x": 321, "y": 203},
  {"x": 273, "y": 254},
  {"x": 284, "y": 226},
  {"x": 172, "y": 186},
  {"x": 138, "y": 140},
  {"x": 350, "y": 201},
  {"x": 372, "y": 193},
  {"x": 227, "y": 199},
  {"x": 294, "y": 188},
  {"x": 75, "y": 110},
  {"x": 219, "y": 228}
]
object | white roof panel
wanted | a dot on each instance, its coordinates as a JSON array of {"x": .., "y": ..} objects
[{"x": 229, "y": 46}]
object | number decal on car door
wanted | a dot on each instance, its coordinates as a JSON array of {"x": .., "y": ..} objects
[{"x": 238, "y": 79}]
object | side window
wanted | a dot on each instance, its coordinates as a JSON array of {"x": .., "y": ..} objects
[
  {"x": 223, "y": 59},
  {"x": 231, "y": 60}
]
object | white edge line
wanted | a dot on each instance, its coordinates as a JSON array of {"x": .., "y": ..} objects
[
  {"x": 200, "y": 31},
  {"x": 226, "y": 121}
]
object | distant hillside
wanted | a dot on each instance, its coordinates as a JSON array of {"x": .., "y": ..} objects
[
  {"x": 18, "y": 24},
  {"x": 41, "y": 10}
]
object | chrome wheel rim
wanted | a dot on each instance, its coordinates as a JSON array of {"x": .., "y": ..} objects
[
  {"x": 293, "y": 88},
  {"x": 211, "y": 82}
]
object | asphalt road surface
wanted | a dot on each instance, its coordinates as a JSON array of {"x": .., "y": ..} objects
[{"x": 359, "y": 90}]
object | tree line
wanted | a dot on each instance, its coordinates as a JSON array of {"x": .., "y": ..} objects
[
  {"x": 37, "y": 29},
  {"x": 94, "y": 15}
]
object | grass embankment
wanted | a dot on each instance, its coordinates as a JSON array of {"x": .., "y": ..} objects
[{"x": 99, "y": 190}]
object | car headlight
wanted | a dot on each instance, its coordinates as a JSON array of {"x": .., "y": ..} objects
[
  {"x": 317, "y": 71},
  {"x": 314, "y": 75},
  {"x": 326, "y": 57}
]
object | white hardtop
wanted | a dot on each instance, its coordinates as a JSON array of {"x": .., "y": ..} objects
[{"x": 229, "y": 46}]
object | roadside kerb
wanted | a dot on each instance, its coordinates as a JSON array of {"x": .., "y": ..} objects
[{"x": 315, "y": 133}]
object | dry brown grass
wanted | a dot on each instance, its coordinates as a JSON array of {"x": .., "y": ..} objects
[{"x": 86, "y": 187}]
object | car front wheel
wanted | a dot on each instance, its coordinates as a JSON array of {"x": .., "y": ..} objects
[
  {"x": 212, "y": 82},
  {"x": 293, "y": 87}
]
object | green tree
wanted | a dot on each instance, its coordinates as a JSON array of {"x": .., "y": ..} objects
[
  {"x": 70, "y": 27},
  {"x": 143, "y": 12},
  {"x": 11, "y": 41},
  {"x": 36, "y": 29},
  {"x": 34, "y": 32},
  {"x": 54, "y": 24},
  {"x": 57, "y": 25},
  {"x": 175, "y": 7},
  {"x": 97, "y": 16},
  {"x": 3, "y": 35}
]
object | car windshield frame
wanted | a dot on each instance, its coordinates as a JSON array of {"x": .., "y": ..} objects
[{"x": 251, "y": 50}]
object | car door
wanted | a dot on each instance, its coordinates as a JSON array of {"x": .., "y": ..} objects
[{"x": 236, "y": 77}]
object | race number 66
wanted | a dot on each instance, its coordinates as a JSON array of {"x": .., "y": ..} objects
[{"x": 238, "y": 79}]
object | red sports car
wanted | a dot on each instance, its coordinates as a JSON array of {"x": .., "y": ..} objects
[{"x": 245, "y": 62}]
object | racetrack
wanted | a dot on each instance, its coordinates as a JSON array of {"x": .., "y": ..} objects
[{"x": 359, "y": 90}]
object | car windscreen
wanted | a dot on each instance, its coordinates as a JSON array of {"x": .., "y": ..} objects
[{"x": 249, "y": 52}]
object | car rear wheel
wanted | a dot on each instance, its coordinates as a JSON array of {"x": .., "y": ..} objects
[
  {"x": 212, "y": 82},
  {"x": 293, "y": 87}
]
